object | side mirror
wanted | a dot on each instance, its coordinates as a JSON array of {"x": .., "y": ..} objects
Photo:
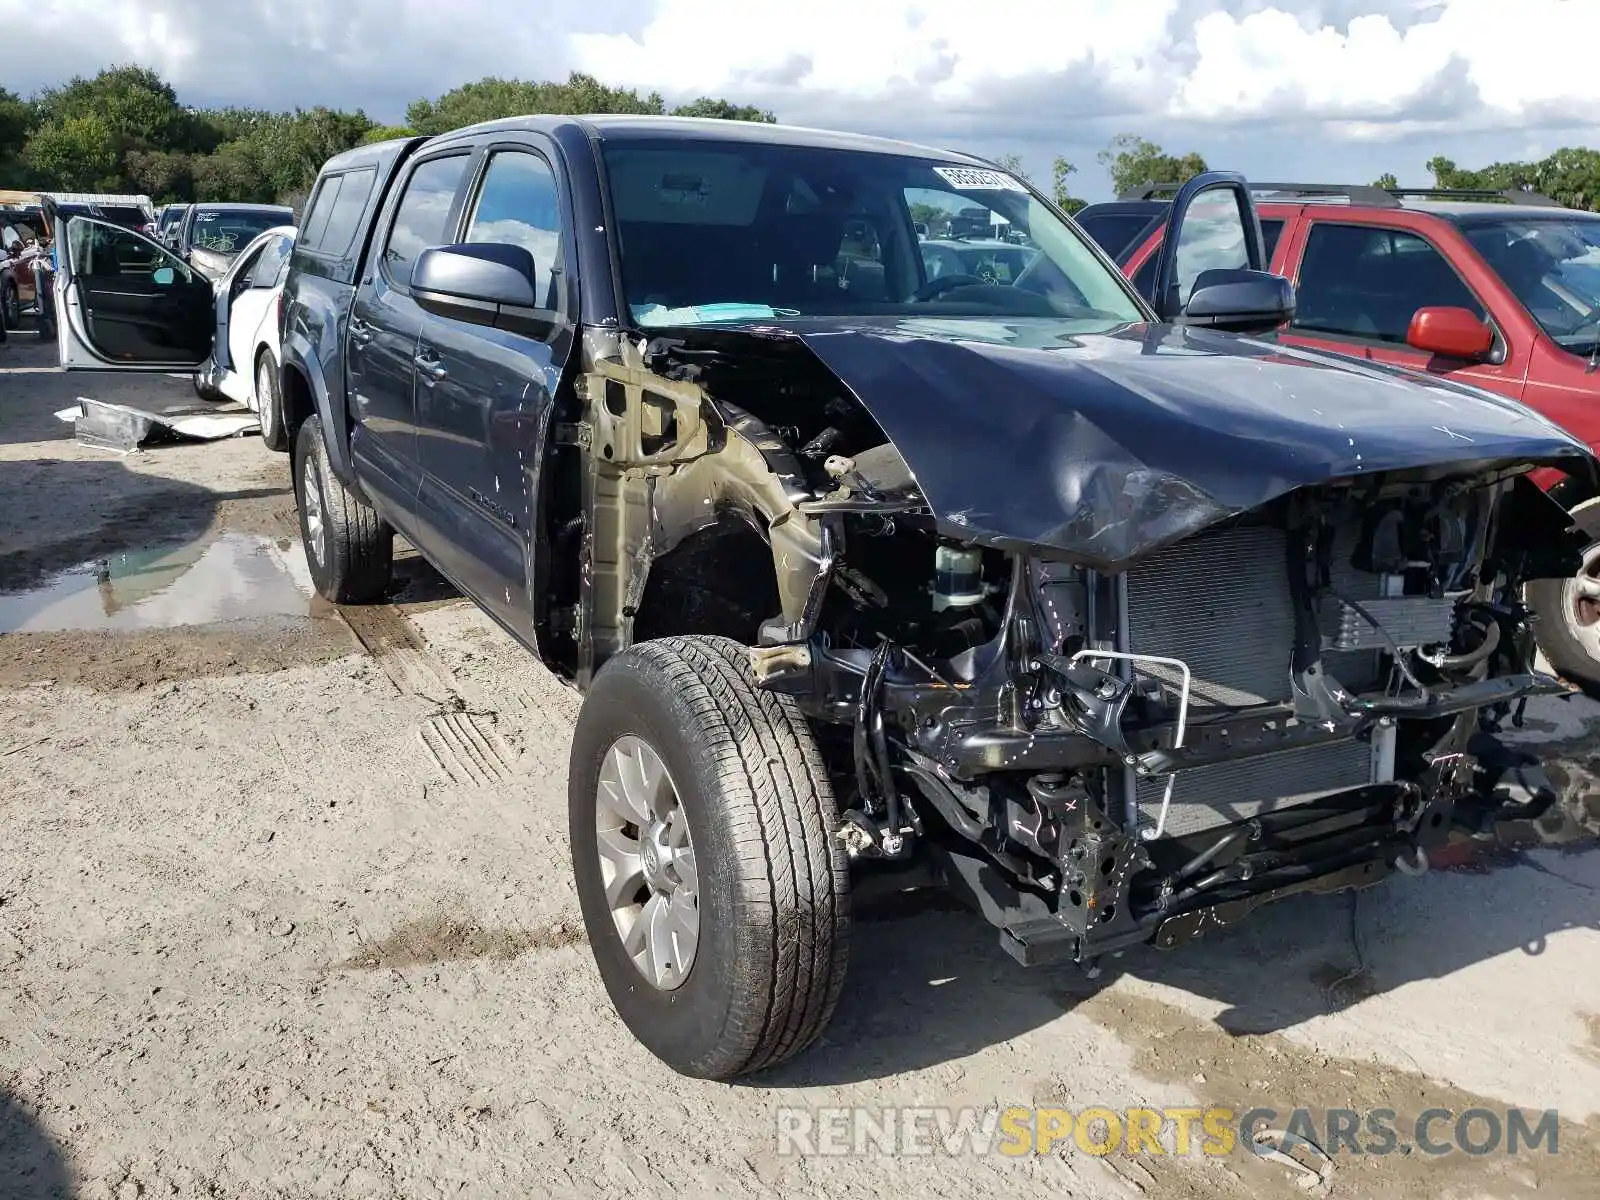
[
  {"x": 1238, "y": 300},
  {"x": 1452, "y": 332},
  {"x": 482, "y": 283}
]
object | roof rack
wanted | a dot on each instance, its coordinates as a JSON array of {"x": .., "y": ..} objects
[
  {"x": 1361, "y": 193},
  {"x": 1514, "y": 195}
]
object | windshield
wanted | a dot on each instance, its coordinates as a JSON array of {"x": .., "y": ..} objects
[
  {"x": 723, "y": 231},
  {"x": 1552, "y": 265},
  {"x": 228, "y": 232}
]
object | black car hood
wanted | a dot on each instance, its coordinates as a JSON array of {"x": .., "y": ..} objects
[{"x": 1106, "y": 447}]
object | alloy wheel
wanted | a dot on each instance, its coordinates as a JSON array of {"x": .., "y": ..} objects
[
  {"x": 1581, "y": 602},
  {"x": 647, "y": 862},
  {"x": 311, "y": 507}
]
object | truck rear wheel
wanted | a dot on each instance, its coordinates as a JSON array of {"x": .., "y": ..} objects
[
  {"x": 714, "y": 892},
  {"x": 1568, "y": 628},
  {"x": 349, "y": 548}
]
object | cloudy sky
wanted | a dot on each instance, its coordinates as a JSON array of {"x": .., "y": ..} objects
[{"x": 1325, "y": 90}]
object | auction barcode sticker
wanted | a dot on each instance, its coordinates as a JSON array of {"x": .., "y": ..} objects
[{"x": 978, "y": 179}]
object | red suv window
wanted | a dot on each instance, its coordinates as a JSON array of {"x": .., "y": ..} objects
[{"x": 1365, "y": 281}]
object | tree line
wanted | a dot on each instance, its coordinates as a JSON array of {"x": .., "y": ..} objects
[{"x": 125, "y": 130}]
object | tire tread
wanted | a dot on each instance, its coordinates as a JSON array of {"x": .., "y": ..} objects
[{"x": 779, "y": 808}]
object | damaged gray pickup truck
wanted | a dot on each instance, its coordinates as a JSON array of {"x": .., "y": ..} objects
[{"x": 1128, "y": 620}]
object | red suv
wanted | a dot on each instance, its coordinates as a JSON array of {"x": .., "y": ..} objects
[{"x": 1500, "y": 290}]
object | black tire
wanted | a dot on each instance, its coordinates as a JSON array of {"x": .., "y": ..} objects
[
  {"x": 773, "y": 884},
  {"x": 352, "y": 553},
  {"x": 206, "y": 392},
  {"x": 10, "y": 307},
  {"x": 1560, "y": 629},
  {"x": 268, "y": 404}
]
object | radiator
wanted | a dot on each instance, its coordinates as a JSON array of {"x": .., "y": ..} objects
[{"x": 1221, "y": 603}]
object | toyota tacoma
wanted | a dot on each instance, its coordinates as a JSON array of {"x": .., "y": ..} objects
[{"x": 1126, "y": 621}]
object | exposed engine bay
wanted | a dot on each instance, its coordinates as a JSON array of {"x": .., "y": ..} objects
[{"x": 1098, "y": 749}]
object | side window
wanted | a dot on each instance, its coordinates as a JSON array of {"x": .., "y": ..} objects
[
  {"x": 243, "y": 278},
  {"x": 1366, "y": 282},
  {"x": 110, "y": 252},
  {"x": 420, "y": 219},
  {"x": 316, "y": 222},
  {"x": 354, "y": 191},
  {"x": 517, "y": 206},
  {"x": 1271, "y": 231},
  {"x": 270, "y": 265}
]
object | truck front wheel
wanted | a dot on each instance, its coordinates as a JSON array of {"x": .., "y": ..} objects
[
  {"x": 1568, "y": 628},
  {"x": 349, "y": 548},
  {"x": 713, "y": 889}
]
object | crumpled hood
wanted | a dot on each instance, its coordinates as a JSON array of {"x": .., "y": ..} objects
[{"x": 1107, "y": 447}]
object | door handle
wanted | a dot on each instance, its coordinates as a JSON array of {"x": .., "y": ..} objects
[
  {"x": 432, "y": 369},
  {"x": 360, "y": 332}
]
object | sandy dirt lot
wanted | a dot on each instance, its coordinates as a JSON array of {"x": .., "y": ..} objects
[{"x": 286, "y": 911}]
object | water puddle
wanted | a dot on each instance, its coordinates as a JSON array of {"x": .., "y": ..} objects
[{"x": 228, "y": 577}]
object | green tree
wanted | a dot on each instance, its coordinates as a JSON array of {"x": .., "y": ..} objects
[
  {"x": 1012, "y": 165},
  {"x": 1570, "y": 176},
  {"x": 135, "y": 103},
  {"x": 724, "y": 110},
  {"x": 16, "y": 115},
  {"x": 1133, "y": 161},
  {"x": 290, "y": 148},
  {"x": 1061, "y": 172},
  {"x": 74, "y": 153},
  {"x": 384, "y": 133},
  {"x": 935, "y": 218},
  {"x": 492, "y": 99},
  {"x": 164, "y": 175},
  {"x": 1386, "y": 180}
]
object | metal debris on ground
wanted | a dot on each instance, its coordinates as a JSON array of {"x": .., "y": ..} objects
[{"x": 124, "y": 429}]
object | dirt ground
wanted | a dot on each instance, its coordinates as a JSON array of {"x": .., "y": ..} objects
[{"x": 286, "y": 911}]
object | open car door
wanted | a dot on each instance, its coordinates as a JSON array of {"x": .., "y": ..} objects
[
  {"x": 1212, "y": 269},
  {"x": 126, "y": 303}
]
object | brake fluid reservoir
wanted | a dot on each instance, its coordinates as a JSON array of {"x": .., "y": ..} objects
[{"x": 957, "y": 577}]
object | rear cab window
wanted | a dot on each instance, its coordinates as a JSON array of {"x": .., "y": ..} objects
[{"x": 327, "y": 235}]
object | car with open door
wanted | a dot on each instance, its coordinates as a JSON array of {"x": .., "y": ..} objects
[
  {"x": 252, "y": 291},
  {"x": 126, "y": 302},
  {"x": 1125, "y": 623}
]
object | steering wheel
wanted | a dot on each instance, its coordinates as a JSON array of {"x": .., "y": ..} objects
[{"x": 941, "y": 284}]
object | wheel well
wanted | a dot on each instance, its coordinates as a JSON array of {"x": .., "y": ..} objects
[
  {"x": 718, "y": 581},
  {"x": 296, "y": 400}
]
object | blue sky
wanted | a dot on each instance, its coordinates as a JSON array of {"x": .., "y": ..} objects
[{"x": 1324, "y": 90}]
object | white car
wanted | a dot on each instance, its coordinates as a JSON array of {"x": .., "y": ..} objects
[{"x": 247, "y": 323}]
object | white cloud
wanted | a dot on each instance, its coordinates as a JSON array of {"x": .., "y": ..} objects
[{"x": 1490, "y": 63}]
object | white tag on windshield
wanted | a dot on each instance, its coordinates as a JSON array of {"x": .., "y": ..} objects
[{"x": 978, "y": 179}]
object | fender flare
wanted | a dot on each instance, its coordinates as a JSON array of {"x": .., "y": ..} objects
[{"x": 298, "y": 355}]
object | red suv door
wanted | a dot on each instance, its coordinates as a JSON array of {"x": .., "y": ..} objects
[{"x": 1360, "y": 277}]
